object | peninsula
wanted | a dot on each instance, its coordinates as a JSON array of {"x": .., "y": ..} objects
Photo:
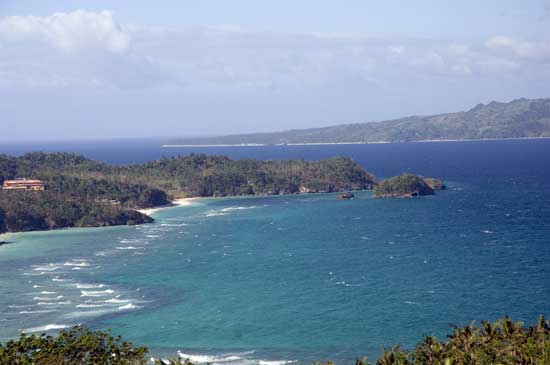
[
  {"x": 521, "y": 118},
  {"x": 79, "y": 192}
]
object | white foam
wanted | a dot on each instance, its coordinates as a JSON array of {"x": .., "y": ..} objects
[
  {"x": 36, "y": 286},
  {"x": 128, "y": 241},
  {"x": 79, "y": 264},
  {"x": 230, "y": 209},
  {"x": 128, "y": 306},
  {"x": 49, "y": 268},
  {"x": 91, "y": 305},
  {"x": 129, "y": 248},
  {"x": 18, "y": 306},
  {"x": 89, "y": 286},
  {"x": 54, "y": 303},
  {"x": 276, "y": 362},
  {"x": 48, "y": 327},
  {"x": 38, "y": 311},
  {"x": 96, "y": 293},
  {"x": 222, "y": 358},
  {"x": 57, "y": 279},
  {"x": 47, "y": 298},
  {"x": 214, "y": 214},
  {"x": 48, "y": 292},
  {"x": 91, "y": 313},
  {"x": 117, "y": 301},
  {"x": 200, "y": 358}
]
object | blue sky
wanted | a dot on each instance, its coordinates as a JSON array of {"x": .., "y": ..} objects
[
  {"x": 103, "y": 69},
  {"x": 420, "y": 17}
]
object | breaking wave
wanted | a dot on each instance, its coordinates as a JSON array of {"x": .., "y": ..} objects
[{"x": 48, "y": 327}]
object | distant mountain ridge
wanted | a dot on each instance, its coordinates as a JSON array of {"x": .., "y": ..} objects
[{"x": 520, "y": 118}]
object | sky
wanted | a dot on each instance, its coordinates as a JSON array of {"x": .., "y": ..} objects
[{"x": 95, "y": 69}]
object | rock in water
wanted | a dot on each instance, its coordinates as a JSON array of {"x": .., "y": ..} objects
[
  {"x": 346, "y": 195},
  {"x": 435, "y": 184}
]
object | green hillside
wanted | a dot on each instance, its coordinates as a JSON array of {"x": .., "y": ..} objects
[
  {"x": 522, "y": 118},
  {"x": 86, "y": 193}
]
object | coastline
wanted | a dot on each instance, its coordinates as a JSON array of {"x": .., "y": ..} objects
[
  {"x": 7, "y": 236},
  {"x": 174, "y": 203},
  {"x": 344, "y": 143}
]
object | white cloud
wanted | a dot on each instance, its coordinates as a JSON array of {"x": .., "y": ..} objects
[
  {"x": 71, "y": 49},
  {"x": 70, "y": 32},
  {"x": 91, "y": 49},
  {"x": 534, "y": 50}
]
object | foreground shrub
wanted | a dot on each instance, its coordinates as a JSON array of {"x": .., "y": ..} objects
[
  {"x": 73, "y": 347},
  {"x": 503, "y": 342}
]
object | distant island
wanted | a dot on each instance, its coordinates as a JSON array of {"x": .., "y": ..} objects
[
  {"x": 69, "y": 190},
  {"x": 407, "y": 186},
  {"x": 521, "y": 118}
]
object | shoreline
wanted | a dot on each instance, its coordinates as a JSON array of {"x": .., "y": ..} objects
[
  {"x": 150, "y": 211},
  {"x": 343, "y": 143},
  {"x": 6, "y": 236},
  {"x": 174, "y": 203}
]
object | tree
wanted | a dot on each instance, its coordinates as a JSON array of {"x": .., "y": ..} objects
[
  {"x": 2, "y": 221},
  {"x": 75, "y": 346}
]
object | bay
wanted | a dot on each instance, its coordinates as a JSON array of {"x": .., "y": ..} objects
[{"x": 309, "y": 277}]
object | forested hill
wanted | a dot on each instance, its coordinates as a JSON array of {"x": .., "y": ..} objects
[
  {"x": 81, "y": 192},
  {"x": 522, "y": 118}
]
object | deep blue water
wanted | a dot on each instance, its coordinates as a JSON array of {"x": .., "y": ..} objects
[
  {"x": 489, "y": 160},
  {"x": 304, "y": 278}
]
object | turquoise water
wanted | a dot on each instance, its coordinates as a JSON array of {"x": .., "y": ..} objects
[{"x": 267, "y": 280}]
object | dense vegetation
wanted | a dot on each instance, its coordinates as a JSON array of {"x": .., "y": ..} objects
[
  {"x": 406, "y": 185},
  {"x": 520, "y": 118},
  {"x": 33, "y": 211},
  {"x": 2, "y": 221},
  {"x": 202, "y": 175},
  {"x": 503, "y": 342},
  {"x": 81, "y": 192},
  {"x": 74, "y": 347}
]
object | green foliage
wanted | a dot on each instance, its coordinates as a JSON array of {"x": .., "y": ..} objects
[
  {"x": 73, "y": 347},
  {"x": 143, "y": 185},
  {"x": 503, "y": 342},
  {"x": 32, "y": 211},
  {"x": 404, "y": 185},
  {"x": 125, "y": 194},
  {"x": 81, "y": 192},
  {"x": 2, "y": 221},
  {"x": 203, "y": 175}
]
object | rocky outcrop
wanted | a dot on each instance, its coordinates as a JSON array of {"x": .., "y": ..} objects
[
  {"x": 404, "y": 186},
  {"x": 434, "y": 183},
  {"x": 346, "y": 195}
]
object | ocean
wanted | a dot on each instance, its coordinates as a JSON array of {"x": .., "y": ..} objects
[{"x": 273, "y": 280}]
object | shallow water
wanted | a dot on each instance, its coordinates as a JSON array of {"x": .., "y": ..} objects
[{"x": 311, "y": 277}]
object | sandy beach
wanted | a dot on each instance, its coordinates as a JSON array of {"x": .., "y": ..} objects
[{"x": 174, "y": 203}]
